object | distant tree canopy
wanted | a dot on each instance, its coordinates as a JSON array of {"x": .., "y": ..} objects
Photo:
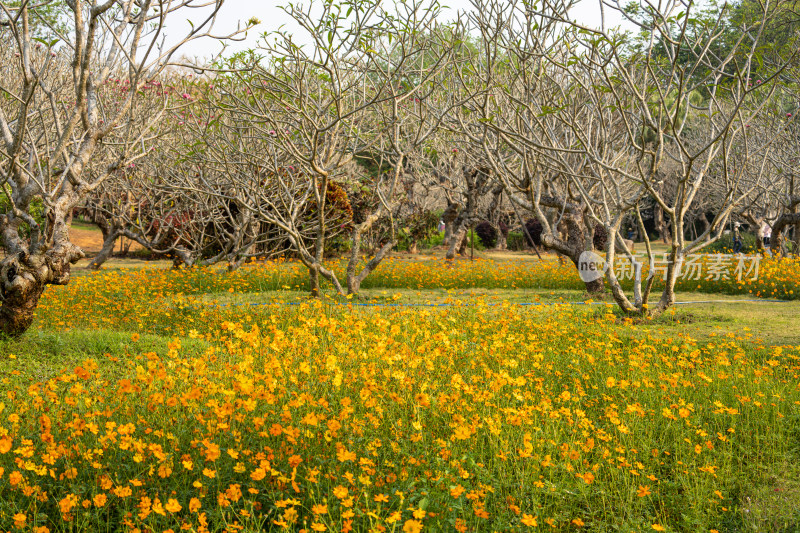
[
  {"x": 47, "y": 22},
  {"x": 723, "y": 25}
]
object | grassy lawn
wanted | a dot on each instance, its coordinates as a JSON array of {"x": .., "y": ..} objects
[
  {"x": 698, "y": 315},
  {"x": 159, "y": 399}
]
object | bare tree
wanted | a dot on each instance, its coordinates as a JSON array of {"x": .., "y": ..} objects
[
  {"x": 783, "y": 196},
  {"x": 55, "y": 118},
  {"x": 293, "y": 128},
  {"x": 176, "y": 203},
  {"x": 410, "y": 62},
  {"x": 616, "y": 121},
  {"x": 512, "y": 107}
]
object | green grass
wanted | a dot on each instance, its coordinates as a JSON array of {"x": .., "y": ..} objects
[
  {"x": 82, "y": 225},
  {"x": 713, "y": 316},
  {"x": 428, "y": 399}
]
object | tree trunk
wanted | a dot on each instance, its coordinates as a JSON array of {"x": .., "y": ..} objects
[
  {"x": 236, "y": 261},
  {"x": 455, "y": 243},
  {"x": 313, "y": 278},
  {"x": 502, "y": 241},
  {"x": 779, "y": 227},
  {"x": 462, "y": 248},
  {"x": 596, "y": 287},
  {"x": 661, "y": 225},
  {"x": 668, "y": 295},
  {"x": 353, "y": 278},
  {"x": 109, "y": 240},
  {"x": 449, "y": 219},
  {"x": 23, "y": 279},
  {"x": 578, "y": 239},
  {"x": 797, "y": 239},
  {"x": 21, "y": 291}
]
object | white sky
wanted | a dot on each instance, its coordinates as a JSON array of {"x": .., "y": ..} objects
[{"x": 272, "y": 17}]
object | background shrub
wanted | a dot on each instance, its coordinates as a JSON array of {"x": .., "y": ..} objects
[{"x": 487, "y": 234}]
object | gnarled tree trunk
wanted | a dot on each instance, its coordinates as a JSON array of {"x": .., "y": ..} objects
[
  {"x": 780, "y": 226},
  {"x": 502, "y": 240},
  {"x": 449, "y": 219},
  {"x": 457, "y": 245},
  {"x": 23, "y": 278},
  {"x": 573, "y": 246},
  {"x": 109, "y": 240}
]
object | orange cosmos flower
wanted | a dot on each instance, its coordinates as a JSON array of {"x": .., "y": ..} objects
[{"x": 173, "y": 506}]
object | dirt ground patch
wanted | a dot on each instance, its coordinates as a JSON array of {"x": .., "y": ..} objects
[{"x": 90, "y": 239}]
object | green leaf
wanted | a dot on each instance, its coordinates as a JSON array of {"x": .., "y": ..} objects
[{"x": 40, "y": 40}]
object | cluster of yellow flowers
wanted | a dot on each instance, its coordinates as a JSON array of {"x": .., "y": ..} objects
[
  {"x": 322, "y": 418},
  {"x": 171, "y": 301}
]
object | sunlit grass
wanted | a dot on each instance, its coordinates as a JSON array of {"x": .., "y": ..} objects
[{"x": 164, "y": 400}]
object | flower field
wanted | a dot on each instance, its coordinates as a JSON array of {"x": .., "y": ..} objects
[
  {"x": 125, "y": 298},
  {"x": 317, "y": 417}
]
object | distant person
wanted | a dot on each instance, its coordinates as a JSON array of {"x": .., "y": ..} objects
[
  {"x": 441, "y": 226},
  {"x": 767, "y": 234},
  {"x": 630, "y": 234},
  {"x": 737, "y": 239}
]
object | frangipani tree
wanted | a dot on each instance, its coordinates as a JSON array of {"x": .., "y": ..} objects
[
  {"x": 365, "y": 87},
  {"x": 56, "y": 117},
  {"x": 612, "y": 121}
]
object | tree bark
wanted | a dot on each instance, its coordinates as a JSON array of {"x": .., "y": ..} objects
[
  {"x": 455, "y": 245},
  {"x": 661, "y": 225},
  {"x": 23, "y": 279},
  {"x": 313, "y": 279},
  {"x": 779, "y": 227},
  {"x": 109, "y": 240},
  {"x": 667, "y": 299},
  {"x": 578, "y": 240},
  {"x": 354, "y": 278},
  {"x": 502, "y": 241},
  {"x": 449, "y": 218},
  {"x": 595, "y": 287}
]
